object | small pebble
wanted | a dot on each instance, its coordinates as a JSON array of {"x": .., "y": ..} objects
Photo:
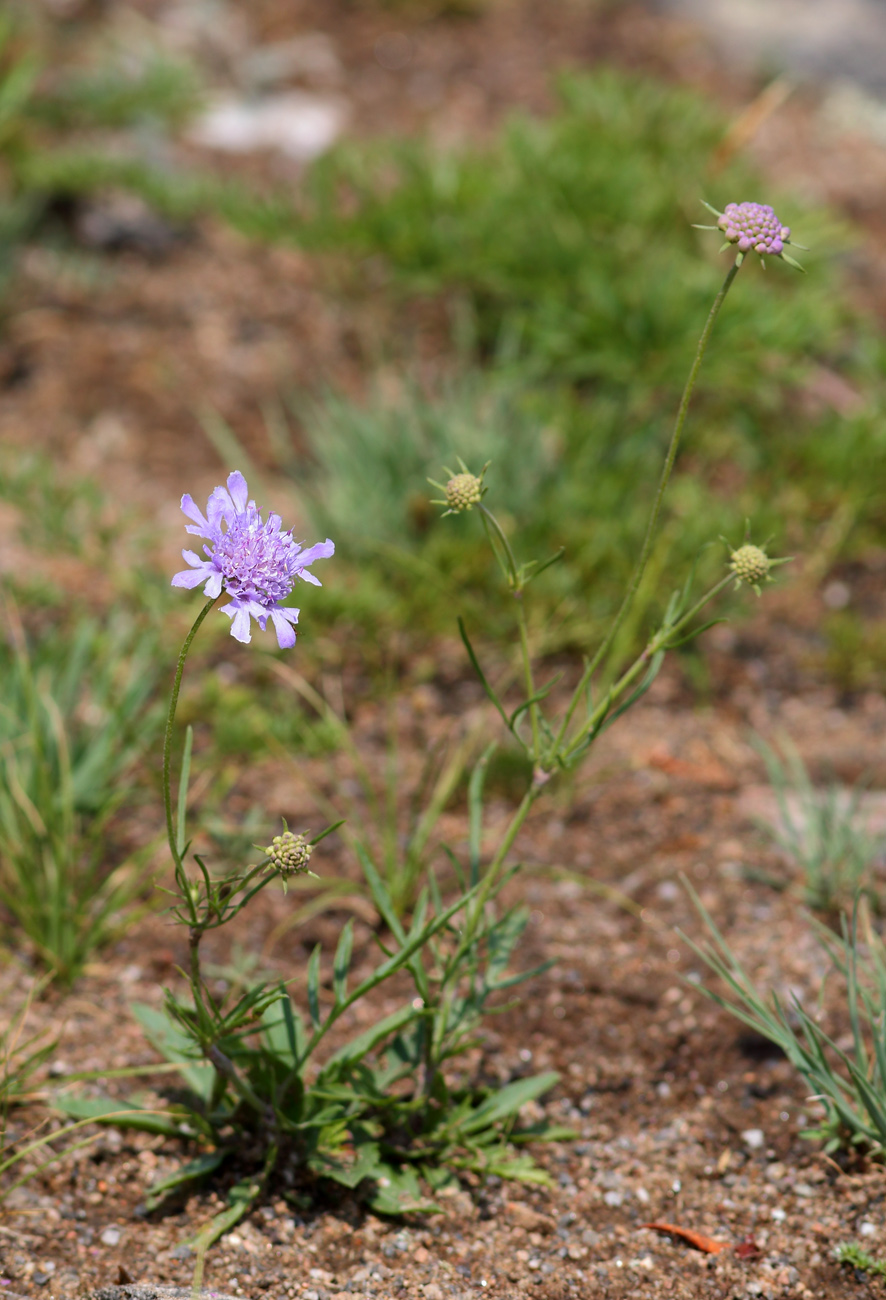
[
  {"x": 110, "y": 1236},
  {"x": 754, "y": 1138},
  {"x": 867, "y": 1229}
]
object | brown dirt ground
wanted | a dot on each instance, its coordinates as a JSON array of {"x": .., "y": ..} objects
[{"x": 660, "y": 1085}]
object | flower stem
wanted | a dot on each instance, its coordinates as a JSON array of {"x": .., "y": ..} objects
[
  {"x": 170, "y": 723},
  {"x": 652, "y": 526}
]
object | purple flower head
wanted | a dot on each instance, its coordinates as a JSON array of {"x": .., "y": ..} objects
[
  {"x": 753, "y": 228},
  {"x": 253, "y": 561}
]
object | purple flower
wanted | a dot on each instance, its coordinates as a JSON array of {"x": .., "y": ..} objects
[
  {"x": 251, "y": 560},
  {"x": 753, "y": 227}
]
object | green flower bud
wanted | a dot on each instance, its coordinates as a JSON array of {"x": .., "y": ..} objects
[
  {"x": 463, "y": 491},
  {"x": 289, "y": 854},
  {"x": 750, "y": 564}
]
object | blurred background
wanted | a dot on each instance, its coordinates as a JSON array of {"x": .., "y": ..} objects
[{"x": 338, "y": 245}]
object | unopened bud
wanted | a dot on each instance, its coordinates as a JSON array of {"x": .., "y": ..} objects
[
  {"x": 463, "y": 491},
  {"x": 289, "y": 854},
  {"x": 750, "y": 564}
]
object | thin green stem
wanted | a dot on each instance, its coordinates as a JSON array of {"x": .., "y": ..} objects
[
  {"x": 652, "y": 526},
  {"x": 496, "y": 533},
  {"x": 528, "y": 678},
  {"x": 492, "y": 871},
  {"x": 658, "y": 642},
  {"x": 167, "y": 739}
]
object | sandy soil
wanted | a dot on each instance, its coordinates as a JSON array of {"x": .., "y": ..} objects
[{"x": 681, "y": 1117}]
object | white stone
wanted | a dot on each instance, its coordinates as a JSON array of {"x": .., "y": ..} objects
[{"x": 297, "y": 124}]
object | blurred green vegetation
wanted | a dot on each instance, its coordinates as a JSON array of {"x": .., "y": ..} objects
[
  {"x": 74, "y": 130},
  {"x": 563, "y": 258}
]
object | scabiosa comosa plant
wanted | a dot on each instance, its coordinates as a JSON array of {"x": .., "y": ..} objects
[
  {"x": 245, "y": 1055},
  {"x": 556, "y": 743}
]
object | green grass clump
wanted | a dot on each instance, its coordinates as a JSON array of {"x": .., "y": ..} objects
[
  {"x": 823, "y": 833},
  {"x": 563, "y": 253},
  {"x": 849, "y": 1085},
  {"x": 61, "y": 132},
  {"x": 75, "y": 717},
  {"x": 851, "y": 1253}
]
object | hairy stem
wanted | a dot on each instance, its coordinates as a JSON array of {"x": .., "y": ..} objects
[{"x": 167, "y": 739}]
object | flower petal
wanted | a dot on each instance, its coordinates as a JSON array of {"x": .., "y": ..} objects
[
  {"x": 189, "y": 578},
  {"x": 283, "y": 620},
  {"x": 322, "y": 551},
  {"x": 220, "y": 506},
  {"x": 239, "y": 622},
  {"x": 238, "y": 490},
  {"x": 214, "y": 585},
  {"x": 306, "y": 576},
  {"x": 193, "y": 511}
]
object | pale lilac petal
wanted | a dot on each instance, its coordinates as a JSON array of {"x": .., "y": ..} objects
[
  {"x": 189, "y": 578},
  {"x": 307, "y": 576},
  {"x": 239, "y": 622},
  {"x": 214, "y": 585},
  {"x": 220, "y": 506},
  {"x": 274, "y": 522},
  {"x": 321, "y": 551},
  {"x": 283, "y": 627},
  {"x": 238, "y": 490},
  {"x": 192, "y": 510}
]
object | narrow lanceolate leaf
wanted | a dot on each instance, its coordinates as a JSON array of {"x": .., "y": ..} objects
[
  {"x": 122, "y": 1114},
  {"x": 283, "y": 1030},
  {"x": 358, "y": 1047},
  {"x": 183, "y": 792},
  {"x": 380, "y": 895},
  {"x": 475, "y": 809},
  {"x": 192, "y": 1172},
  {"x": 508, "y": 1100},
  {"x": 482, "y": 676},
  {"x": 314, "y": 987},
  {"x": 241, "y": 1198},
  {"x": 342, "y": 963}
]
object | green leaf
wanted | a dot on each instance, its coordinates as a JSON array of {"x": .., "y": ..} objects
[
  {"x": 123, "y": 1114},
  {"x": 241, "y": 1198},
  {"x": 314, "y": 987},
  {"x": 651, "y": 674},
  {"x": 283, "y": 1030},
  {"x": 482, "y": 676},
  {"x": 342, "y": 962},
  {"x": 192, "y": 1172},
  {"x": 177, "y": 1046},
  {"x": 364, "y": 1043},
  {"x": 380, "y": 895},
  {"x": 366, "y": 1164},
  {"x": 541, "y": 694},
  {"x": 397, "y": 1191},
  {"x": 509, "y": 1100},
  {"x": 475, "y": 809},
  {"x": 522, "y": 1169}
]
